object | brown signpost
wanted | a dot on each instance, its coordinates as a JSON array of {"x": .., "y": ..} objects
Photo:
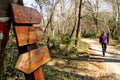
[{"x": 32, "y": 57}]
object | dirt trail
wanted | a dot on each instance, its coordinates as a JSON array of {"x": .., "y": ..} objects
[{"x": 103, "y": 68}]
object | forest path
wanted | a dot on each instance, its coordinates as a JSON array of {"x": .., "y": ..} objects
[{"x": 103, "y": 68}]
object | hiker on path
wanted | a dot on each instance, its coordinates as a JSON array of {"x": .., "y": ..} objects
[{"x": 104, "y": 40}]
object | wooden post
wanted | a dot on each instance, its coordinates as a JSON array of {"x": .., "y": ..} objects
[
  {"x": 36, "y": 75},
  {"x": 39, "y": 74}
]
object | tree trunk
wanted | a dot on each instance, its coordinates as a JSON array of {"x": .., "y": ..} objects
[
  {"x": 118, "y": 26},
  {"x": 51, "y": 16},
  {"x": 4, "y": 28},
  {"x": 74, "y": 22},
  {"x": 78, "y": 27}
]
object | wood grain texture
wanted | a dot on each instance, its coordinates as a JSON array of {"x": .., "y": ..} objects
[
  {"x": 38, "y": 74},
  {"x": 28, "y": 35},
  {"x": 30, "y": 61},
  {"x": 25, "y": 15}
]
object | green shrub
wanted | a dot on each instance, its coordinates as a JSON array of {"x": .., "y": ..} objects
[
  {"x": 66, "y": 39},
  {"x": 90, "y": 35}
]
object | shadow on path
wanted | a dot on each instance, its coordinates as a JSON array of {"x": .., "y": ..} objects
[
  {"x": 65, "y": 74},
  {"x": 95, "y": 49},
  {"x": 99, "y": 58},
  {"x": 113, "y": 53},
  {"x": 93, "y": 58}
]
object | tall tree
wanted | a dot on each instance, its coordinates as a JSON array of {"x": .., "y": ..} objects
[
  {"x": 51, "y": 16},
  {"x": 78, "y": 26},
  {"x": 116, "y": 18},
  {"x": 4, "y": 12},
  {"x": 75, "y": 21}
]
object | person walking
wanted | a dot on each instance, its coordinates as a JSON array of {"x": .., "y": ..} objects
[{"x": 104, "y": 40}]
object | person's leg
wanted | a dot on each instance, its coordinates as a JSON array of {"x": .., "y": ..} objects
[{"x": 103, "y": 49}]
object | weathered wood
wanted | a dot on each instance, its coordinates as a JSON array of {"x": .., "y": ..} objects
[
  {"x": 32, "y": 60},
  {"x": 28, "y": 35},
  {"x": 26, "y": 48},
  {"x": 36, "y": 75},
  {"x": 25, "y": 15}
]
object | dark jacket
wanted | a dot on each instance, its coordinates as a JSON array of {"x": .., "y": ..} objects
[{"x": 102, "y": 40}]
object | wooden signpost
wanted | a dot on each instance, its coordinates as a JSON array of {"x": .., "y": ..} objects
[{"x": 32, "y": 57}]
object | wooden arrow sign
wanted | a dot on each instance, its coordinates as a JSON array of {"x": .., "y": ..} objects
[
  {"x": 25, "y": 15},
  {"x": 30, "y": 61},
  {"x": 28, "y": 35}
]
